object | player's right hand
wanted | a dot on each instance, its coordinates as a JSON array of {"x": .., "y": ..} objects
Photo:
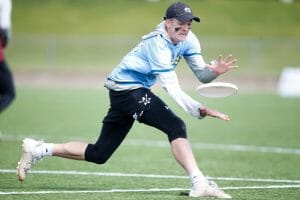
[{"x": 213, "y": 113}]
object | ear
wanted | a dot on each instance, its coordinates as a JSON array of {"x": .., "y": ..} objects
[{"x": 168, "y": 23}]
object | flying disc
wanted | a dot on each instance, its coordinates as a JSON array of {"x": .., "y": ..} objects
[{"x": 217, "y": 89}]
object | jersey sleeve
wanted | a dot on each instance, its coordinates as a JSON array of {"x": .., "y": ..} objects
[
  {"x": 195, "y": 60},
  {"x": 169, "y": 82}
]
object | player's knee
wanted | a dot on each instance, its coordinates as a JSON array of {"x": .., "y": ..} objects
[
  {"x": 100, "y": 160},
  {"x": 95, "y": 155},
  {"x": 178, "y": 132}
]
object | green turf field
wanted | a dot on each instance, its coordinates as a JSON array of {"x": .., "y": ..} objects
[
  {"x": 258, "y": 149},
  {"x": 253, "y": 156}
]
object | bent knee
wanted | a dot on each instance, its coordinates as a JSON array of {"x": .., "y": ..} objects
[
  {"x": 100, "y": 160},
  {"x": 179, "y": 131},
  {"x": 95, "y": 155}
]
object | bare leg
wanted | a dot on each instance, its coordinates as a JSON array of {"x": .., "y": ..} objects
[
  {"x": 71, "y": 150},
  {"x": 183, "y": 153},
  {"x": 200, "y": 186}
]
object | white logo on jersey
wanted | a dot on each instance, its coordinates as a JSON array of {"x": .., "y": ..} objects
[{"x": 176, "y": 60}]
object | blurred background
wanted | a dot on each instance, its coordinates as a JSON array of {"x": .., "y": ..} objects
[{"x": 82, "y": 41}]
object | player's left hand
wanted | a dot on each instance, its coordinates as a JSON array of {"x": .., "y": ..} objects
[{"x": 223, "y": 65}]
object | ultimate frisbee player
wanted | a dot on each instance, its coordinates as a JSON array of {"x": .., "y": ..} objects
[{"x": 131, "y": 99}]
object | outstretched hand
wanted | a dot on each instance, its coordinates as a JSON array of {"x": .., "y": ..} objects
[
  {"x": 223, "y": 65},
  {"x": 213, "y": 113}
]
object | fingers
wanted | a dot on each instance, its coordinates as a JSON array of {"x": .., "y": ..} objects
[
  {"x": 231, "y": 62},
  {"x": 233, "y": 67},
  {"x": 223, "y": 117},
  {"x": 228, "y": 58},
  {"x": 226, "y": 118},
  {"x": 217, "y": 115},
  {"x": 220, "y": 58}
]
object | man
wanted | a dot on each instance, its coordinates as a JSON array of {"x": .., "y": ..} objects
[
  {"x": 7, "y": 90},
  {"x": 154, "y": 58}
]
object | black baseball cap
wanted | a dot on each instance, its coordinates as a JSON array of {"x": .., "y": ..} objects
[{"x": 181, "y": 12}]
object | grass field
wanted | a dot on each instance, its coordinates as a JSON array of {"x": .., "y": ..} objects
[{"x": 254, "y": 156}]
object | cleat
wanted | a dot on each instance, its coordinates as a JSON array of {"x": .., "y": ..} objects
[
  {"x": 28, "y": 157},
  {"x": 207, "y": 189}
]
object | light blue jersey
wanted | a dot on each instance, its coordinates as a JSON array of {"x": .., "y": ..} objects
[{"x": 155, "y": 54}]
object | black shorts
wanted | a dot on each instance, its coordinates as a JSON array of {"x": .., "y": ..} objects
[
  {"x": 126, "y": 107},
  {"x": 144, "y": 106}
]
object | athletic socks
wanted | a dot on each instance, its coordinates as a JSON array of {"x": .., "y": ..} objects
[
  {"x": 197, "y": 177},
  {"x": 44, "y": 150}
]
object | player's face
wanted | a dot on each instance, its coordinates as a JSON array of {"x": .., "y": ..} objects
[{"x": 177, "y": 30}]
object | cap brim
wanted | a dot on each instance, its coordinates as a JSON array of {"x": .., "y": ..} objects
[{"x": 189, "y": 17}]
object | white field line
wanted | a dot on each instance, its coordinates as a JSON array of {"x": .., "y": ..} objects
[
  {"x": 222, "y": 147},
  {"x": 142, "y": 190},
  {"x": 165, "y": 144},
  {"x": 54, "y": 172}
]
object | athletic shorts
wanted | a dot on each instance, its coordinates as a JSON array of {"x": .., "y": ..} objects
[
  {"x": 145, "y": 107},
  {"x": 125, "y": 108}
]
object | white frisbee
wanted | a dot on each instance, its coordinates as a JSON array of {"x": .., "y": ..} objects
[{"x": 217, "y": 89}]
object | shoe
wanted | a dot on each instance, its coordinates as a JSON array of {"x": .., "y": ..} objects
[
  {"x": 207, "y": 189},
  {"x": 28, "y": 157}
]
